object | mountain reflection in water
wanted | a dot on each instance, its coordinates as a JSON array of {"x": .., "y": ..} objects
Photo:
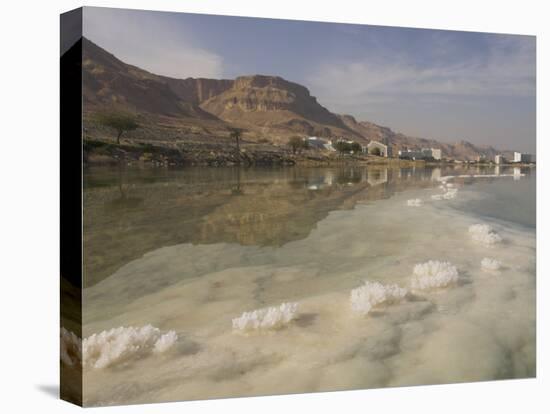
[{"x": 129, "y": 211}]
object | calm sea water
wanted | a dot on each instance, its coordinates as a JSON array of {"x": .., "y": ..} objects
[{"x": 188, "y": 250}]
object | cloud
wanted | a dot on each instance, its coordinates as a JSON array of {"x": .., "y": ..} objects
[
  {"x": 505, "y": 69},
  {"x": 153, "y": 41}
]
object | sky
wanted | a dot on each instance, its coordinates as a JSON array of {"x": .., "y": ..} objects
[{"x": 444, "y": 85}]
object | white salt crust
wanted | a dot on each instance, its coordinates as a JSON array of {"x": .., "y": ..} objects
[
  {"x": 433, "y": 275},
  {"x": 274, "y": 317},
  {"x": 483, "y": 233},
  {"x": 414, "y": 202},
  {"x": 122, "y": 344},
  {"x": 371, "y": 294},
  {"x": 450, "y": 194},
  {"x": 490, "y": 264},
  {"x": 444, "y": 179}
]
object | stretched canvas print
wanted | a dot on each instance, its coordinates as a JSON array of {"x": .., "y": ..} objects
[{"x": 256, "y": 206}]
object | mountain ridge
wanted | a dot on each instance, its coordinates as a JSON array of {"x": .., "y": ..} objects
[{"x": 264, "y": 106}]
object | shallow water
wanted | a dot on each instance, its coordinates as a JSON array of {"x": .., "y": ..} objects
[{"x": 189, "y": 250}]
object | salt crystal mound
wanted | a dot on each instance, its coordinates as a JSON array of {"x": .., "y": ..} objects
[
  {"x": 123, "y": 344},
  {"x": 371, "y": 294},
  {"x": 71, "y": 348},
  {"x": 450, "y": 194},
  {"x": 414, "y": 202},
  {"x": 490, "y": 264},
  {"x": 274, "y": 317},
  {"x": 433, "y": 275},
  {"x": 165, "y": 342},
  {"x": 484, "y": 234}
]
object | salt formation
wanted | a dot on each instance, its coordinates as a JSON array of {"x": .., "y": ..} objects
[
  {"x": 71, "y": 348},
  {"x": 483, "y": 233},
  {"x": 125, "y": 343},
  {"x": 433, "y": 274},
  {"x": 165, "y": 342},
  {"x": 274, "y": 317},
  {"x": 450, "y": 194},
  {"x": 414, "y": 202},
  {"x": 364, "y": 298},
  {"x": 490, "y": 264}
]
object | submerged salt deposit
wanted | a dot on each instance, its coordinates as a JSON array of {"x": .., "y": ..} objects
[
  {"x": 274, "y": 317},
  {"x": 433, "y": 274},
  {"x": 450, "y": 194},
  {"x": 415, "y": 202},
  {"x": 483, "y": 233},
  {"x": 371, "y": 294},
  {"x": 434, "y": 335},
  {"x": 123, "y": 344},
  {"x": 490, "y": 264}
]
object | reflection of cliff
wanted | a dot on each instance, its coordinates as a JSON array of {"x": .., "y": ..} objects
[
  {"x": 273, "y": 215},
  {"x": 131, "y": 214}
]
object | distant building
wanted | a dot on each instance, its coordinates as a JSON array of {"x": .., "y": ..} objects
[
  {"x": 377, "y": 148},
  {"x": 481, "y": 158},
  {"x": 522, "y": 157},
  {"x": 320, "y": 143},
  {"x": 315, "y": 142},
  {"x": 499, "y": 159},
  {"x": 422, "y": 154}
]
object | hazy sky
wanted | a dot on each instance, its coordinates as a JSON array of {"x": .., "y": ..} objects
[{"x": 430, "y": 83}]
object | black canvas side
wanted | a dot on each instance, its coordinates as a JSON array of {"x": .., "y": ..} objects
[{"x": 71, "y": 205}]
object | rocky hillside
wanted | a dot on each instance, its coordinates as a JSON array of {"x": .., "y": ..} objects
[
  {"x": 109, "y": 81},
  {"x": 277, "y": 104},
  {"x": 267, "y": 108},
  {"x": 459, "y": 150}
]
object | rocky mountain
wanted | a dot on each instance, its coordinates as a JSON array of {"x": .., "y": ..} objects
[
  {"x": 265, "y": 107},
  {"x": 109, "y": 81},
  {"x": 275, "y": 103}
]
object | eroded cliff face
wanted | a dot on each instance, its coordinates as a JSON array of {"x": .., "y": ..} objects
[
  {"x": 197, "y": 90},
  {"x": 265, "y": 107},
  {"x": 260, "y": 93}
]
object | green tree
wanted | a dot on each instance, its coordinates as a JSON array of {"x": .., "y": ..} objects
[
  {"x": 342, "y": 147},
  {"x": 296, "y": 143},
  {"x": 119, "y": 121},
  {"x": 355, "y": 147}
]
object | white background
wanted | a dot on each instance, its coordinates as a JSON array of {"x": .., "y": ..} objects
[{"x": 29, "y": 206}]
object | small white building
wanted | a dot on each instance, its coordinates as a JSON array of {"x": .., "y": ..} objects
[
  {"x": 422, "y": 154},
  {"x": 481, "y": 158},
  {"x": 436, "y": 153},
  {"x": 377, "y": 148},
  {"x": 499, "y": 159},
  {"x": 320, "y": 143},
  {"x": 522, "y": 157}
]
